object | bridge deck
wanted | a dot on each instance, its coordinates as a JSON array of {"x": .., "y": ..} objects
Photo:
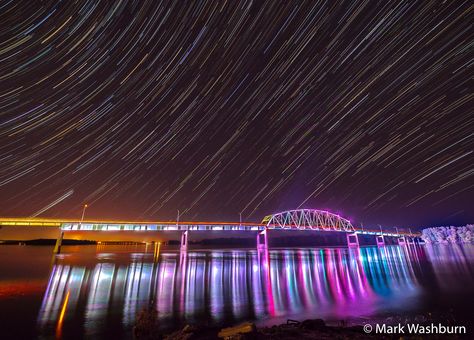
[{"x": 99, "y": 225}]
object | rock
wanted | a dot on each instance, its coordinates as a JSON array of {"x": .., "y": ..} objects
[
  {"x": 189, "y": 329},
  {"x": 238, "y": 332},
  {"x": 179, "y": 335},
  {"x": 292, "y": 322},
  {"x": 316, "y": 324},
  {"x": 187, "y": 332}
]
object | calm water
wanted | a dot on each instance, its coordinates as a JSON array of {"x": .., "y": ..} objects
[{"x": 97, "y": 292}]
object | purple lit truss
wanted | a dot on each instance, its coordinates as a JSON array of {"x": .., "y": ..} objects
[{"x": 311, "y": 219}]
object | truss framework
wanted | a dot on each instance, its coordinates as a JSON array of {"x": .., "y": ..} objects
[{"x": 310, "y": 219}]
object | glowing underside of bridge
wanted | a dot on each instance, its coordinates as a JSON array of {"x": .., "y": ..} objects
[{"x": 304, "y": 219}]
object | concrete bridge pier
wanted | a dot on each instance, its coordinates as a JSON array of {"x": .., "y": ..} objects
[
  {"x": 59, "y": 241},
  {"x": 352, "y": 240},
  {"x": 184, "y": 241},
  {"x": 380, "y": 239},
  {"x": 262, "y": 240}
]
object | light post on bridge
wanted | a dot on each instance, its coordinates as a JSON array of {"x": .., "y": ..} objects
[
  {"x": 380, "y": 240},
  {"x": 396, "y": 228},
  {"x": 240, "y": 219},
  {"x": 83, "y": 213},
  {"x": 177, "y": 221}
]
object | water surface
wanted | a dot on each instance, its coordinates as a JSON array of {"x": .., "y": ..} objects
[{"x": 96, "y": 292}]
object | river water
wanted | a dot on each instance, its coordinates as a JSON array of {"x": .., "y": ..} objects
[{"x": 97, "y": 291}]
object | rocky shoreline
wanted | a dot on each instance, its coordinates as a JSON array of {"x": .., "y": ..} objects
[
  {"x": 147, "y": 327},
  {"x": 308, "y": 329}
]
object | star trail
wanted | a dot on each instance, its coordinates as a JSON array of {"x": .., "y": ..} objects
[{"x": 215, "y": 108}]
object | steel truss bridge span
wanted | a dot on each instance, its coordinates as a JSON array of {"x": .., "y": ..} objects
[{"x": 308, "y": 219}]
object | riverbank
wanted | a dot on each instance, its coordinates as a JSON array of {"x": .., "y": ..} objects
[
  {"x": 147, "y": 328},
  {"x": 308, "y": 329}
]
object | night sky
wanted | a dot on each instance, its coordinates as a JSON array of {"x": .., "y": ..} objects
[{"x": 214, "y": 108}]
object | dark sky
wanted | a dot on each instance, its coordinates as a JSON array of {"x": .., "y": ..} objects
[{"x": 215, "y": 108}]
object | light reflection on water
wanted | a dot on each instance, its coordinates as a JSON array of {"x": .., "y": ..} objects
[{"x": 104, "y": 295}]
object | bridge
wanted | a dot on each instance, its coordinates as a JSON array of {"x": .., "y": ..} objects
[{"x": 301, "y": 220}]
